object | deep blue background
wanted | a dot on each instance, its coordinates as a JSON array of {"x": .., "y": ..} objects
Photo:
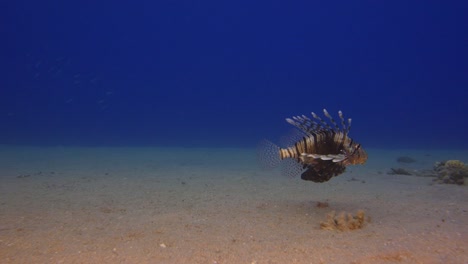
[{"x": 227, "y": 73}]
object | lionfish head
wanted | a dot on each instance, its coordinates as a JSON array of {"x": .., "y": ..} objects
[{"x": 355, "y": 155}]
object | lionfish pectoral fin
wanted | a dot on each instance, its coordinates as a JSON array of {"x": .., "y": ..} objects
[
  {"x": 332, "y": 157},
  {"x": 339, "y": 159}
]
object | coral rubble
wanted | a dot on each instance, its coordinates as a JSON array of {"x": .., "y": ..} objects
[
  {"x": 344, "y": 221},
  {"x": 451, "y": 172}
]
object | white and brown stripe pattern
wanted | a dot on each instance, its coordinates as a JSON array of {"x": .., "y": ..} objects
[{"x": 323, "y": 151}]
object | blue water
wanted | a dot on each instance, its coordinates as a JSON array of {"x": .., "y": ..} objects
[{"x": 227, "y": 73}]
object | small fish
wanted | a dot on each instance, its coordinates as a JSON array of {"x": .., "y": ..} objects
[{"x": 322, "y": 151}]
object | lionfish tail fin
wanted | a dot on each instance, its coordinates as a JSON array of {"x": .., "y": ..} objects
[{"x": 268, "y": 154}]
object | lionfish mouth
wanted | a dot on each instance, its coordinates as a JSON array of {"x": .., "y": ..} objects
[{"x": 357, "y": 157}]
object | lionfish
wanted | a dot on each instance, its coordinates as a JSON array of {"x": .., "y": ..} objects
[{"x": 322, "y": 151}]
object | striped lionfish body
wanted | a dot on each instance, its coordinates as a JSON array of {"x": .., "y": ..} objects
[{"x": 323, "y": 151}]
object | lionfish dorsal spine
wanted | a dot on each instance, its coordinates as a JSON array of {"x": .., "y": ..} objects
[
  {"x": 344, "y": 128},
  {"x": 343, "y": 125},
  {"x": 325, "y": 112},
  {"x": 349, "y": 125},
  {"x": 324, "y": 124}
]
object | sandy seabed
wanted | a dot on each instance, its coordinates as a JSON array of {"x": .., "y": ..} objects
[{"x": 176, "y": 205}]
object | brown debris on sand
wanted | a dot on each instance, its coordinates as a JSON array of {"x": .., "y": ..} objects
[
  {"x": 399, "y": 171},
  {"x": 322, "y": 205},
  {"x": 405, "y": 159},
  {"x": 344, "y": 221},
  {"x": 451, "y": 172}
]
